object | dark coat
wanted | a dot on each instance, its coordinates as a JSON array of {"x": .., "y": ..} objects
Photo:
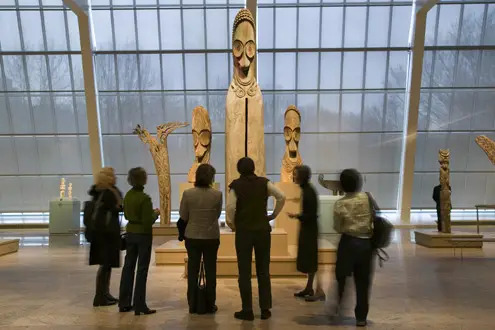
[
  {"x": 105, "y": 246},
  {"x": 307, "y": 254}
]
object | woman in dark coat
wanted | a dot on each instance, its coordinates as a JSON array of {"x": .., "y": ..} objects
[
  {"x": 105, "y": 238},
  {"x": 307, "y": 254}
]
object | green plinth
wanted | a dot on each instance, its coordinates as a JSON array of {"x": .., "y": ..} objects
[{"x": 64, "y": 216}]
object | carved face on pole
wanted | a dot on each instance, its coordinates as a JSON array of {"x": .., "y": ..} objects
[
  {"x": 244, "y": 47},
  {"x": 444, "y": 160},
  {"x": 201, "y": 131},
  {"x": 292, "y": 131}
]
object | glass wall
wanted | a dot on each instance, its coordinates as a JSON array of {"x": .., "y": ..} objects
[
  {"x": 43, "y": 127},
  {"x": 154, "y": 64},
  {"x": 457, "y": 102},
  {"x": 344, "y": 66}
]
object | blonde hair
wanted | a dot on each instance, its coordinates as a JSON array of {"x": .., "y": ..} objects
[{"x": 105, "y": 178}]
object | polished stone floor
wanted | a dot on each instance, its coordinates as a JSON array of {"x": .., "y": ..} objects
[{"x": 49, "y": 286}]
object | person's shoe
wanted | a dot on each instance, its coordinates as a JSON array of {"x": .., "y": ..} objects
[
  {"x": 213, "y": 310},
  {"x": 304, "y": 293},
  {"x": 125, "y": 309},
  {"x": 111, "y": 298},
  {"x": 316, "y": 297},
  {"x": 244, "y": 315},
  {"x": 361, "y": 323},
  {"x": 103, "y": 303},
  {"x": 266, "y": 314},
  {"x": 145, "y": 312}
]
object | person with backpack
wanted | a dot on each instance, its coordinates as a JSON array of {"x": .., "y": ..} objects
[
  {"x": 353, "y": 218},
  {"x": 103, "y": 231},
  {"x": 138, "y": 210}
]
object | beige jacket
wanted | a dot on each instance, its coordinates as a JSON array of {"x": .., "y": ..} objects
[
  {"x": 352, "y": 215},
  {"x": 201, "y": 209}
]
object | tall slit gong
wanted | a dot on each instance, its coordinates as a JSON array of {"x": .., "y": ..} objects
[{"x": 246, "y": 128}]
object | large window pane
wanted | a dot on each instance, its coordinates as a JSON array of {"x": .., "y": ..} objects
[
  {"x": 285, "y": 29},
  {"x": 330, "y": 70},
  {"x": 265, "y": 24},
  {"x": 170, "y": 21},
  {"x": 332, "y": 27},
  {"x": 127, "y": 71},
  {"x": 8, "y": 22},
  {"x": 31, "y": 30},
  {"x": 147, "y": 21},
  {"x": 195, "y": 71},
  {"x": 376, "y": 68},
  {"x": 173, "y": 72},
  {"x": 355, "y": 26},
  {"x": 102, "y": 23},
  {"x": 401, "y": 20},
  {"x": 194, "y": 35},
  {"x": 448, "y": 24},
  {"x": 216, "y": 28},
  {"x": 353, "y": 70},
  {"x": 285, "y": 71},
  {"x": 218, "y": 73},
  {"x": 307, "y": 71},
  {"x": 124, "y": 29},
  {"x": 378, "y": 25},
  {"x": 309, "y": 27},
  {"x": 56, "y": 37}
]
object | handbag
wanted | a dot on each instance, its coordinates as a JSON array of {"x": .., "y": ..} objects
[
  {"x": 382, "y": 233},
  {"x": 201, "y": 297},
  {"x": 123, "y": 236}
]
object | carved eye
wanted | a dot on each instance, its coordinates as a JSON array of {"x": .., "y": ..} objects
[
  {"x": 237, "y": 48},
  {"x": 250, "y": 49}
]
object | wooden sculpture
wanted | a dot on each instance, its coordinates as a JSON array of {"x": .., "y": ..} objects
[
  {"x": 244, "y": 121},
  {"x": 292, "y": 134},
  {"x": 62, "y": 188},
  {"x": 333, "y": 185},
  {"x": 445, "y": 193},
  {"x": 69, "y": 191},
  {"x": 159, "y": 153},
  {"x": 201, "y": 131},
  {"x": 488, "y": 146}
]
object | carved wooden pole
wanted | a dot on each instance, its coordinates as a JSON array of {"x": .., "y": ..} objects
[
  {"x": 159, "y": 153},
  {"x": 488, "y": 147},
  {"x": 445, "y": 193},
  {"x": 292, "y": 134}
]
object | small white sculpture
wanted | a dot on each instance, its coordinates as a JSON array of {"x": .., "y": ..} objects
[
  {"x": 69, "y": 190},
  {"x": 62, "y": 188}
]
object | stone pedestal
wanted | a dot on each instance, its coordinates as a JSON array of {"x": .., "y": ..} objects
[
  {"x": 65, "y": 216},
  {"x": 435, "y": 239},
  {"x": 325, "y": 220},
  {"x": 9, "y": 246},
  {"x": 292, "y": 205}
]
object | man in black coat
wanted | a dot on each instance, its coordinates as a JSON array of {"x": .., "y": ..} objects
[{"x": 436, "y": 198}]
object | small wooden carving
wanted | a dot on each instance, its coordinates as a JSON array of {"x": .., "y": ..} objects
[
  {"x": 244, "y": 119},
  {"x": 445, "y": 193},
  {"x": 332, "y": 185},
  {"x": 69, "y": 190},
  {"x": 488, "y": 146},
  {"x": 62, "y": 188},
  {"x": 292, "y": 134},
  {"x": 159, "y": 152},
  {"x": 201, "y": 131}
]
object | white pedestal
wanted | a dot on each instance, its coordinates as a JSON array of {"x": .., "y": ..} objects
[
  {"x": 292, "y": 205},
  {"x": 64, "y": 216},
  {"x": 325, "y": 220}
]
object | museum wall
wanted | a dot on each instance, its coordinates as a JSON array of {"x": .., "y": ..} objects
[{"x": 343, "y": 66}]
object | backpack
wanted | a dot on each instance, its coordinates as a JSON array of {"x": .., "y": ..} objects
[
  {"x": 382, "y": 233},
  {"x": 91, "y": 212}
]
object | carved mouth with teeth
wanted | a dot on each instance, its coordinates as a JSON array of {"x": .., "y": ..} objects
[{"x": 292, "y": 154}]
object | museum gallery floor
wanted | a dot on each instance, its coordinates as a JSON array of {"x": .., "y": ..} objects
[{"x": 51, "y": 287}]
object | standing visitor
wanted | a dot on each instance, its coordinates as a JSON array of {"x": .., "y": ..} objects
[
  {"x": 138, "y": 210},
  {"x": 436, "y": 198},
  {"x": 201, "y": 208},
  {"x": 307, "y": 252},
  {"x": 353, "y": 219},
  {"x": 105, "y": 236},
  {"x": 247, "y": 213}
]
